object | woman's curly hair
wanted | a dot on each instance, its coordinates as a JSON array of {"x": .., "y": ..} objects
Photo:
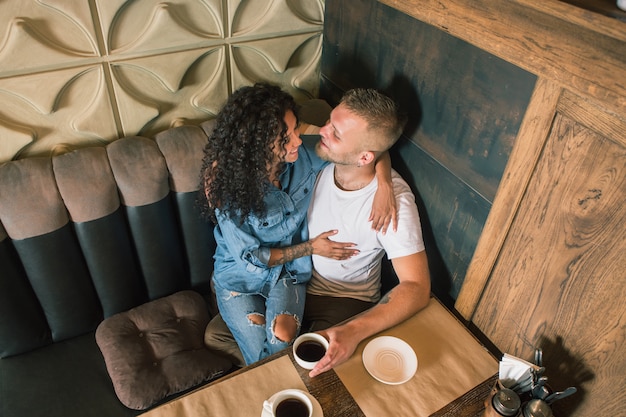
[{"x": 240, "y": 151}]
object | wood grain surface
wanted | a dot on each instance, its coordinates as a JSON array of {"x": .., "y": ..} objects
[
  {"x": 470, "y": 404},
  {"x": 549, "y": 38},
  {"x": 524, "y": 157},
  {"x": 330, "y": 392},
  {"x": 557, "y": 282}
]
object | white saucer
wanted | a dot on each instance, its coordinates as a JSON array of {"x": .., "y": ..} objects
[
  {"x": 390, "y": 360},
  {"x": 317, "y": 408}
]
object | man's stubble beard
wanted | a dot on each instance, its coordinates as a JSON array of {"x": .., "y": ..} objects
[{"x": 328, "y": 158}]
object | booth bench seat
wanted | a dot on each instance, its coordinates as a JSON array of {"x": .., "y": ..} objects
[
  {"x": 87, "y": 236},
  {"x": 102, "y": 251}
]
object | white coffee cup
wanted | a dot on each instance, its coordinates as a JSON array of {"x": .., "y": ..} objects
[
  {"x": 309, "y": 348},
  {"x": 289, "y": 402}
]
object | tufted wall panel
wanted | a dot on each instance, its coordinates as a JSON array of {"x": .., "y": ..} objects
[{"x": 90, "y": 71}]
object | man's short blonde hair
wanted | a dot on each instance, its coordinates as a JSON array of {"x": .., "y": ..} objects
[{"x": 381, "y": 113}]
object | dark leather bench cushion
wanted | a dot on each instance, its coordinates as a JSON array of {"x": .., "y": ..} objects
[
  {"x": 64, "y": 379},
  {"x": 157, "y": 349},
  {"x": 35, "y": 218},
  {"x": 182, "y": 148}
]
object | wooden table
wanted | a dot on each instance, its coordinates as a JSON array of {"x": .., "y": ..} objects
[{"x": 454, "y": 376}]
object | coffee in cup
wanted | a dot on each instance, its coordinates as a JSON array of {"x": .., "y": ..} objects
[
  {"x": 292, "y": 407},
  {"x": 289, "y": 403},
  {"x": 310, "y": 351},
  {"x": 309, "y": 348}
]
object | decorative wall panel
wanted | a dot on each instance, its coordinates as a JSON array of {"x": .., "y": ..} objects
[{"x": 79, "y": 73}]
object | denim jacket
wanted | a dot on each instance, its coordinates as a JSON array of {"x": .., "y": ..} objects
[{"x": 243, "y": 250}]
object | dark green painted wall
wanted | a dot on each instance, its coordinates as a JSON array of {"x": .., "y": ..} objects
[{"x": 465, "y": 109}]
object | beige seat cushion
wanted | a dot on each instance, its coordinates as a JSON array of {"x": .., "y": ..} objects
[{"x": 157, "y": 349}]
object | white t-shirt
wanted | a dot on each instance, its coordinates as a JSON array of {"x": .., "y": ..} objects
[{"x": 348, "y": 211}]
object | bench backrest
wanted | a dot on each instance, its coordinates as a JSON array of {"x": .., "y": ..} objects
[{"x": 97, "y": 231}]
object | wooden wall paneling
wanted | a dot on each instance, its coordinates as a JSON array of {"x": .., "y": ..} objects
[
  {"x": 548, "y": 269},
  {"x": 598, "y": 15},
  {"x": 529, "y": 144},
  {"x": 557, "y": 282},
  {"x": 544, "y": 38}
]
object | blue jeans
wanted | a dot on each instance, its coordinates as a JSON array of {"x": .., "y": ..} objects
[{"x": 256, "y": 341}]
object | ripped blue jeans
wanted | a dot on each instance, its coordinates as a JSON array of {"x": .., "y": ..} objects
[{"x": 256, "y": 341}]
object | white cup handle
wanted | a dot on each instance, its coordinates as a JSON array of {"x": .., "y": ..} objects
[{"x": 267, "y": 405}]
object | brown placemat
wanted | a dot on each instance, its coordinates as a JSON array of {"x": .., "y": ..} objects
[
  {"x": 450, "y": 362},
  {"x": 240, "y": 395}
]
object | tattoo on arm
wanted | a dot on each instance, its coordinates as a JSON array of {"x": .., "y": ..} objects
[{"x": 293, "y": 252}]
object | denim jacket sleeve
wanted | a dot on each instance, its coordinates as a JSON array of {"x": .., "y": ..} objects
[{"x": 244, "y": 248}]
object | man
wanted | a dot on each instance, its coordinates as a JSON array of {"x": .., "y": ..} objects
[{"x": 346, "y": 294}]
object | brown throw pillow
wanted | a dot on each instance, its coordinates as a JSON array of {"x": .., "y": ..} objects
[{"x": 157, "y": 349}]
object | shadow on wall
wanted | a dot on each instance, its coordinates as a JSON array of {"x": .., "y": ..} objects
[
  {"x": 405, "y": 94},
  {"x": 564, "y": 369}
]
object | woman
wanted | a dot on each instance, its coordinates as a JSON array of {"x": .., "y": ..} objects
[{"x": 257, "y": 180}]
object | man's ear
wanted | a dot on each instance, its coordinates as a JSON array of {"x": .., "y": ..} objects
[{"x": 367, "y": 157}]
